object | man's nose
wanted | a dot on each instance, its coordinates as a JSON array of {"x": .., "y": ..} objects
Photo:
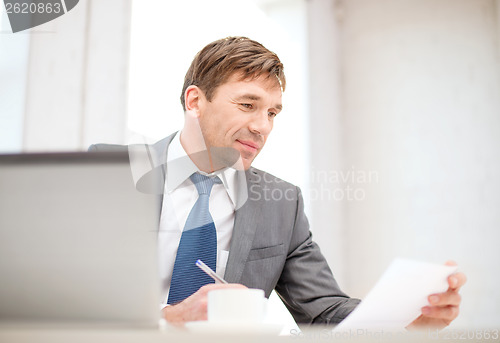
[{"x": 261, "y": 124}]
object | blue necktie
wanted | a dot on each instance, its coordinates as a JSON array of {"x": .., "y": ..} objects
[{"x": 198, "y": 241}]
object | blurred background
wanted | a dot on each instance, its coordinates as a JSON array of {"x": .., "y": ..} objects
[{"x": 391, "y": 120}]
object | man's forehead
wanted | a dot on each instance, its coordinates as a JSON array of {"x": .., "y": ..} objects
[{"x": 271, "y": 81}]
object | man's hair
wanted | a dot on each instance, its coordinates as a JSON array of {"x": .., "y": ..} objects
[{"x": 219, "y": 60}]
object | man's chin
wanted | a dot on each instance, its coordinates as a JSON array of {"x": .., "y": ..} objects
[
  {"x": 231, "y": 157},
  {"x": 247, "y": 162}
]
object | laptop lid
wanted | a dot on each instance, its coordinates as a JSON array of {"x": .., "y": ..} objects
[{"x": 78, "y": 242}]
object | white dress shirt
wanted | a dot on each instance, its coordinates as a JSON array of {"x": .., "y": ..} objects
[{"x": 179, "y": 197}]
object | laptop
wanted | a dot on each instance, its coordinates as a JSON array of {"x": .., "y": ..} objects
[{"x": 78, "y": 242}]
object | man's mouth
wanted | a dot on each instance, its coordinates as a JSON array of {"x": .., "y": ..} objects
[{"x": 249, "y": 145}]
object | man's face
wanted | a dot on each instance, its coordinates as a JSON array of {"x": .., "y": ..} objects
[{"x": 241, "y": 115}]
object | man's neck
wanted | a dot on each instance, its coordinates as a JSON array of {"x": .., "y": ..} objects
[
  {"x": 198, "y": 152},
  {"x": 206, "y": 158}
]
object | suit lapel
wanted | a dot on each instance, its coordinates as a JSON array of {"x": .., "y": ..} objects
[
  {"x": 158, "y": 154},
  {"x": 245, "y": 226},
  {"x": 153, "y": 160}
]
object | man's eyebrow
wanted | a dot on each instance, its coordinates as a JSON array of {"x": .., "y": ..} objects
[
  {"x": 249, "y": 97},
  {"x": 254, "y": 97}
]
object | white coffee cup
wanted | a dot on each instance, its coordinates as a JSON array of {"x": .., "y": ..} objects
[{"x": 236, "y": 305}]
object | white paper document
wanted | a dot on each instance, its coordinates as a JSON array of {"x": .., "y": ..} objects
[{"x": 398, "y": 296}]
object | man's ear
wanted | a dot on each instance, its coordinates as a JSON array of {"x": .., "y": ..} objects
[{"x": 193, "y": 99}]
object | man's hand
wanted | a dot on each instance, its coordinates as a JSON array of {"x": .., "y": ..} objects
[
  {"x": 443, "y": 307},
  {"x": 194, "y": 307}
]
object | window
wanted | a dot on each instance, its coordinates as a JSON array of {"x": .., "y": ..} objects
[
  {"x": 166, "y": 35},
  {"x": 14, "y": 50}
]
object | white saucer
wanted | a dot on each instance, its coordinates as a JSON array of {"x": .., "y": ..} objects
[{"x": 236, "y": 328}]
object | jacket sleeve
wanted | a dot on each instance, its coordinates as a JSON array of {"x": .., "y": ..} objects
[{"x": 307, "y": 286}]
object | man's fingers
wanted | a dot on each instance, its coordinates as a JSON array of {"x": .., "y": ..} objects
[
  {"x": 457, "y": 280},
  {"x": 445, "y": 299},
  {"x": 194, "y": 307},
  {"x": 447, "y": 313}
]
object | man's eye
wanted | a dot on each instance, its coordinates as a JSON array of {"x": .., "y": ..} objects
[
  {"x": 272, "y": 114},
  {"x": 249, "y": 106}
]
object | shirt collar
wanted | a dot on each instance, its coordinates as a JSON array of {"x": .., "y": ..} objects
[{"x": 180, "y": 167}]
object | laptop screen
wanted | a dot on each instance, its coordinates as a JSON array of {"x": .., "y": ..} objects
[{"x": 78, "y": 242}]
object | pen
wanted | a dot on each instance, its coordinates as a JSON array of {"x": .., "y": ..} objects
[{"x": 209, "y": 271}]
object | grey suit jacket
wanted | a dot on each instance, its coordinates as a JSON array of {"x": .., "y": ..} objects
[{"x": 272, "y": 248}]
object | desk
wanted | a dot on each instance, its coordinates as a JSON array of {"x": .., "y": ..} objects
[{"x": 316, "y": 334}]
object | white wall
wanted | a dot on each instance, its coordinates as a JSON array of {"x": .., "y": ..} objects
[
  {"x": 420, "y": 110},
  {"x": 326, "y": 199}
]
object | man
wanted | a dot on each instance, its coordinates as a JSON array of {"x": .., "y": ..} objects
[{"x": 231, "y": 95}]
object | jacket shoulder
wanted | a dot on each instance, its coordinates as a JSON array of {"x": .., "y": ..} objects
[
  {"x": 269, "y": 179},
  {"x": 160, "y": 146}
]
